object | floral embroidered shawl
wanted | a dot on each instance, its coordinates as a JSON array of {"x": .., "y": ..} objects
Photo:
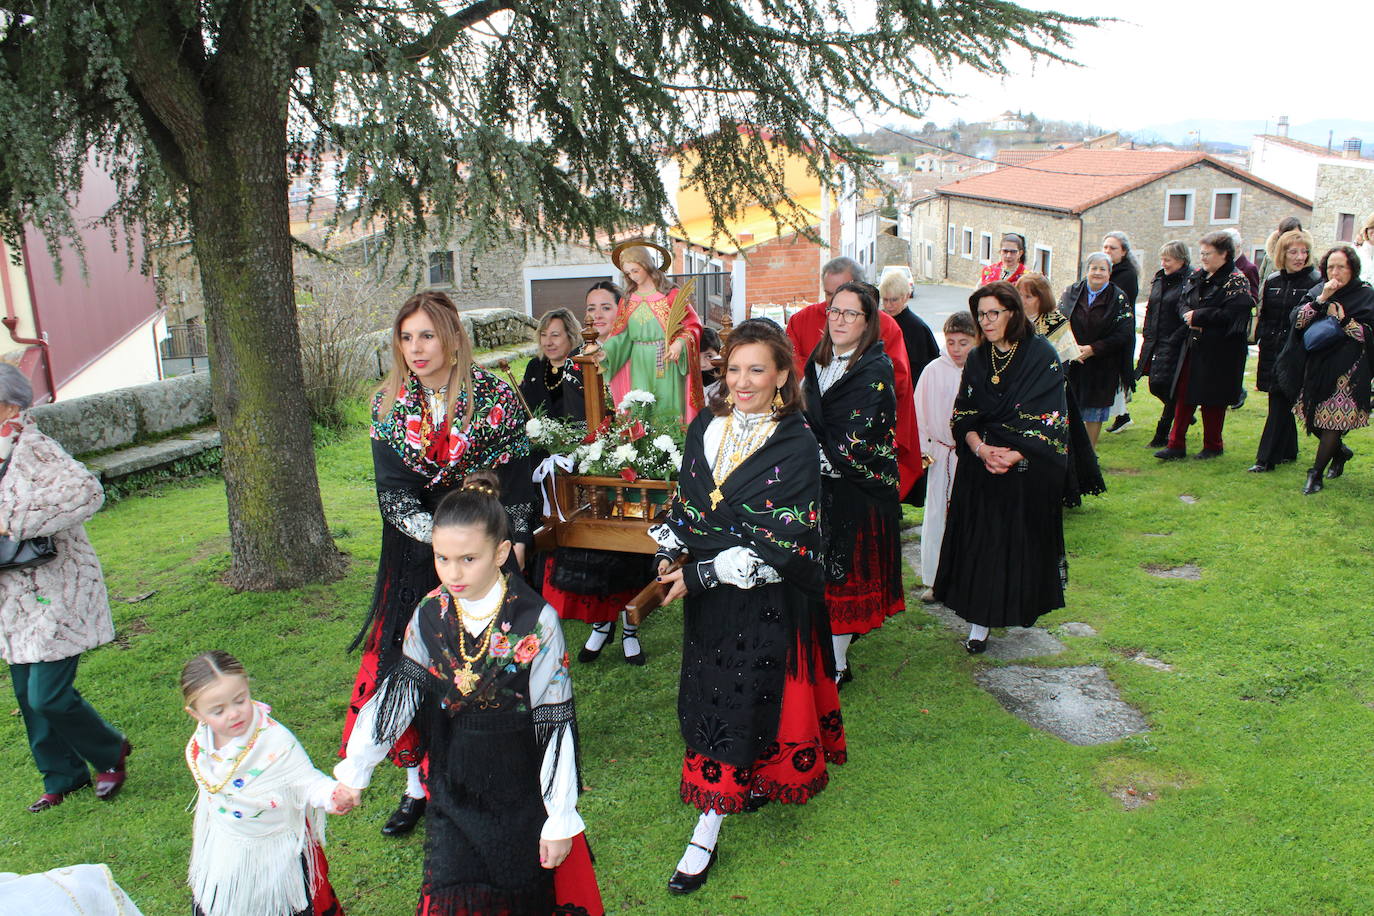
[
  {"x": 1027, "y": 411},
  {"x": 444, "y": 456}
]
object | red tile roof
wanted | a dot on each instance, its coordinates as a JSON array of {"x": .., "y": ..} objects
[
  {"x": 1310, "y": 148},
  {"x": 1021, "y": 156},
  {"x": 1076, "y": 180}
]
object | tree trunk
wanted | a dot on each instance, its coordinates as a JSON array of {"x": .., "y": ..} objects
[{"x": 240, "y": 224}]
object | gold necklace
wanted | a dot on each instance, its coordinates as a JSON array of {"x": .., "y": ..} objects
[
  {"x": 465, "y": 679},
  {"x": 745, "y": 446},
  {"x": 998, "y": 370},
  {"x": 238, "y": 762}
]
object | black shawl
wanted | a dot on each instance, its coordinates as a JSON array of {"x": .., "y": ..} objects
[
  {"x": 555, "y": 391},
  {"x": 1215, "y": 347},
  {"x": 855, "y": 424},
  {"x": 1313, "y": 376},
  {"x": 1025, "y": 411},
  {"x": 1084, "y": 472},
  {"x": 1109, "y": 328}
]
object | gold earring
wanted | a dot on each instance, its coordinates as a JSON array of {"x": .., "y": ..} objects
[
  {"x": 730, "y": 399},
  {"x": 777, "y": 400},
  {"x": 453, "y": 361}
]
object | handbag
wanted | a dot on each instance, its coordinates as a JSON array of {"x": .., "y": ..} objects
[
  {"x": 1321, "y": 335},
  {"x": 25, "y": 553}
]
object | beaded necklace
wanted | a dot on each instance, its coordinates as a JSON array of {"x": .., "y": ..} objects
[
  {"x": 238, "y": 762},
  {"x": 998, "y": 370},
  {"x": 465, "y": 679},
  {"x": 734, "y": 449}
]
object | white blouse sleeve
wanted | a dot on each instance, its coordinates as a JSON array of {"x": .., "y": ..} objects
[
  {"x": 556, "y": 729},
  {"x": 364, "y": 751}
]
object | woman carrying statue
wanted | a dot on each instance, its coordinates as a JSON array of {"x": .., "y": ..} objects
[{"x": 655, "y": 341}]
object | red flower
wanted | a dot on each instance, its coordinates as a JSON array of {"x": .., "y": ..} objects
[
  {"x": 496, "y": 415},
  {"x": 628, "y": 475},
  {"x": 589, "y": 438},
  {"x": 527, "y": 648},
  {"x": 413, "y": 432},
  {"x": 638, "y": 431},
  {"x": 457, "y": 445}
]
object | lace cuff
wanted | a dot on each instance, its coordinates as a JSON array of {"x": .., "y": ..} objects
[
  {"x": 742, "y": 568},
  {"x": 404, "y": 511},
  {"x": 670, "y": 546}
]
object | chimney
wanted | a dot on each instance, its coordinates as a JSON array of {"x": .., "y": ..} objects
[
  {"x": 1283, "y": 126},
  {"x": 1351, "y": 148}
]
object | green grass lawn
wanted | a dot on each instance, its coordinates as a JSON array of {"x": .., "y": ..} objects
[{"x": 1258, "y": 750}]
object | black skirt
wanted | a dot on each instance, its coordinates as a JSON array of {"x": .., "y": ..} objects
[
  {"x": 1084, "y": 474},
  {"x": 1002, "y": 560}
]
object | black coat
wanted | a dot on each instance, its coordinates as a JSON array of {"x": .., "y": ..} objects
[
  {"x": 558, "y": 392},
  {"x": 1164, "y": 332},
  {"x": 1215, "y": 347},
  {"x": 1126, "y": 278},
  {"x": 1109, "y": 328},
  {"x": 921, "y": 347},
  {"x": 1281, "y": 295}
]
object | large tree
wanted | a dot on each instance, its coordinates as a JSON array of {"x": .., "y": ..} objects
[{"x": 543, "y": 119}]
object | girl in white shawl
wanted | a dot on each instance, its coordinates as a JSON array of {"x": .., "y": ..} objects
[
  {"x": 259, "y": 828},
  {"x": 935, "y": 392}
]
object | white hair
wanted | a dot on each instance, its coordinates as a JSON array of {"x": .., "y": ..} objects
[{"x": 14, "y": 387}]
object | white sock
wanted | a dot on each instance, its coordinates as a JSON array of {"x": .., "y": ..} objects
[
  {"x": 629, "y": 641},
  {"x": 414, "y": 787},
  {"x": 841, "y": 644},
  {"x": 706, "y": 834},
  {"x": 600, "y": 633},
  {"x": 977, "y": 632}
]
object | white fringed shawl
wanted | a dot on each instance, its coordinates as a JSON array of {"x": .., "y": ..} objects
[{"x": 250, "y": 836}]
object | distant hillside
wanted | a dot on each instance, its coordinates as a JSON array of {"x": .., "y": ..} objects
[{"x": 1242, "y": 132}]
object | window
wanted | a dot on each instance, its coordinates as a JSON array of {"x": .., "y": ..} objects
[
  {"x": 1345, "y": 227},
  {"x": 953, "y": 232},
  {"x": 1226, "y": 205},
  {"x": 985, "y": 247},
  {"x": 1044, "y": 256},
  {"x": 967, "y": 249},
  {"x": 441, "y": 268},
  {"x": 1257, "y": 253},
  {"x": 1178, "y": 208},
  {"x": 930, "y": 261}
]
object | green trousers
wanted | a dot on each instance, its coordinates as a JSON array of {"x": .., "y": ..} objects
[{"x": 66, "y": 735}]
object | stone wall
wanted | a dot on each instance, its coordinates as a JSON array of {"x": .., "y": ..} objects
[
  {"x": 1059, "y": 232},
  {"x": 116, "y": 419},
  {"x": 1340, "y": 189}
]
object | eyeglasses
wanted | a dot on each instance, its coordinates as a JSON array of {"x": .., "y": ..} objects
[
  {"x": 992, "y": 315},
  {"x": 848, "y": 316},
  {"x": 1011, "y": 251}
]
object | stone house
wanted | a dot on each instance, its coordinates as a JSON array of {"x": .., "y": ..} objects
[
  {"x": 1345, "y": 196},
  {"x": 1293, "y": 164},
  {"x": 1064, "y": 204}
]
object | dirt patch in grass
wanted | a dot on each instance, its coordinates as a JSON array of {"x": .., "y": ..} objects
[{"x": 1135, "y": 783}]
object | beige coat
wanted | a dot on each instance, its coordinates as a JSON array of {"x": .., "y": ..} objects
[{"x": 59, "y": 609}]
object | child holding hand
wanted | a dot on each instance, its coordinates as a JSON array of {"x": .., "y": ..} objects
[
  {"x": 259, "y": 825},
  {"x": 484, "y": 674}
]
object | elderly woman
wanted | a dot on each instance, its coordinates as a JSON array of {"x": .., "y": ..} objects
[
  {"x": 1013, "y": 261},
  {"x": 1283, "y": 291},
  {"x": 1002, "y": 560},
  {"x": 921, "y": 347},
  {"x": 1084, "y": 475},
  {"x": 1215, "y": 304},
  {"x": 51, "y": 613},
  {"x": 552, "y": 381},
  {"x": 1163, "y": 335},
  {"x": 1328, "y": 360},
  {"x": 1103, "y": 323}
]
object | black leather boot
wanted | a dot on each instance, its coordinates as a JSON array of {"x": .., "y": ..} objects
[
  {"x": 1314, "y": 482},
  {"x": 405, "y": 817}
]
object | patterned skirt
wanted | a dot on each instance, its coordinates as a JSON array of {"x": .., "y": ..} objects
[
  {"x": 872, "y": 592},
  {"x": 406, "y": 751},
  {"x": 790, "y": 770},
  {"x": 1338, "y": 412}
]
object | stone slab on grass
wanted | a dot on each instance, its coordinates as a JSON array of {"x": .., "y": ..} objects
[
  {"x": 1077, "y": 629},
  {"x": 1187, "y": 571},
  {"x": 1078, "y": 704},
  {"x": 1023, "y": 642},
  {"x": 139, "y": 458}
]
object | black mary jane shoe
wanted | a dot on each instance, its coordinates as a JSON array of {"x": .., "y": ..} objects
[
  {"x": 844, "y": 676},
  {"x": 755, "y": 803},
  {"x": 1337, "y": 467},
  {"x": 405, "y": 817},
  {"x": 1260, "y": 467},
  {"x": 1314, "y": 482},
  {"x": 975, "y": 646},
  {"x": 1170, "y": 454},
  {"x": 685, "y": 884},
  {"x": 1208, "y": 453},
  {"x": 639, "y": 658},
  {"x": 587, "y": 656}
]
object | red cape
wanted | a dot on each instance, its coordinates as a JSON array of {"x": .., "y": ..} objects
[{"x": 805, "y": 329}]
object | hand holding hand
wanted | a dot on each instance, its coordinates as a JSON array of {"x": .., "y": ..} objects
[
  {"x": 1084, "y": 352},
  {"x": 676, "y": 587},
  {"x": 1336, "y": 310},
  {"x": 345, "y": 799},
  {"x": 553, "y": 852}
]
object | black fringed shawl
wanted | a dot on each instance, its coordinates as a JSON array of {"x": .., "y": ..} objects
[
  {"x": 855, "y": 423},
  {"x": 1313, "y": 376},
  {"x": 769, "y": 506},
  {"x": 1026, "y": 411},
  {"x": 1084, "y": 472},
  {"x": 499, "y": 703}
]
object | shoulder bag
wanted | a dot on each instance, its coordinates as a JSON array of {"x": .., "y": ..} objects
[{"x": 22, "y": 554}]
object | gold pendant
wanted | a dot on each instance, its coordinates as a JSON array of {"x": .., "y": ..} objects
[
  {"x": 465, "y": 680},
  {"x": 716, "y": 497},
  {"x": 996, "y": 379}
]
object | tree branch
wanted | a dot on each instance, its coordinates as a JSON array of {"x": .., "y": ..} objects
[{"x": 447, "y": 30}]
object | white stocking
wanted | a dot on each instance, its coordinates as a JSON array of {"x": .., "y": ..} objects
[
  {"x": 977, "y": 632},
  {"x": 841, "y": 644},
  {"x": 629, "y": 640},
  {"x": 694, "y": 860},
  {"x": 600, "y": 633},
  {"x": 414, "y": 787}
]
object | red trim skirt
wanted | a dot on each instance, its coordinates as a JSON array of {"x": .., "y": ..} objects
[
  {"x": 587, "y": 608},
  {"x": 790, "y": 770},
  {"x": 406, "y": 751},
  {"x": 873, "y": 590},
  {"x": 574, "y": 887}
]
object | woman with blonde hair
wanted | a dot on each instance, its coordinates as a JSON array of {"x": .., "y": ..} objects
[
  {"x": 1280, "y": 295},
  {"x": 437, "y": 417},
  {"x": 552, "y": 381}
]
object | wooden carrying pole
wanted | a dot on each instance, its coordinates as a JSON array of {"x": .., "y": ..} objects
[
  {"x": 651, "y": 596},
  {"x": 593, "y": 383}
]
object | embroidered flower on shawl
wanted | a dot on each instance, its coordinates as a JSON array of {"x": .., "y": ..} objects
[
  {"x": 496, "y": 415},
  {"x": 412, "y": 434},
  {"x": 526, "y": 649},
  {"x": 500, "y": 645}
]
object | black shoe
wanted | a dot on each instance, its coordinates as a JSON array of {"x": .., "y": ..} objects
[
  {"x": 639, "y": 658},
  {"x": 1314, "y": 482},
  {"x": 1261, "y": 467},
  {"x": 587, "y": 656},
  {"x": 1170, "y": 454},
  {"x": 975, "y": 646},
  {"x": 685, "y": 884},
  {"x": 753, "y": 803},
  {"x": 405, "y": 817},
  {"x": 1122, "y": 422},
  {"x": 1208, "y": 453},
  {"x": 1158, "y": 441},
  {"x": 1337, "y": 467},
  {"x": 843, "y": 676},
  {"x": 1241, "y": 403}
]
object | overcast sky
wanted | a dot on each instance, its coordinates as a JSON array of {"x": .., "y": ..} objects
[{"x": 1168, "y": 60}]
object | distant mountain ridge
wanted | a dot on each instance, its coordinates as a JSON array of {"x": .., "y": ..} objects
[{"x": 1241, "y": 132}]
